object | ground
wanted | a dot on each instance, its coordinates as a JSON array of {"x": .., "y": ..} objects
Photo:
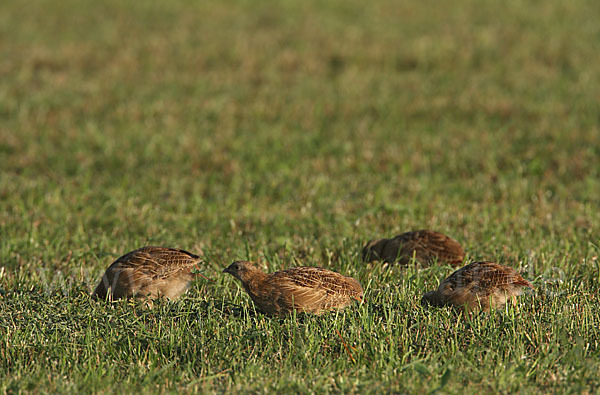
[{"x": 293, "y": 132}]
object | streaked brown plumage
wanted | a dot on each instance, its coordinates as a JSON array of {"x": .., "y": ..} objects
[
  {"x": 148, "y": 272},
  {"x": 482, "y": 285},
  {"x": 426, "y": 245},
  {"x": 304, "y": 289}
]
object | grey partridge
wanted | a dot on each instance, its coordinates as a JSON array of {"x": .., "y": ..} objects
[
  {"x": 304, "y": 289},
  {"x": 148, "y": 272},
  {"x": 427, "y": 246},
  {"x": 479, "y": 285}
]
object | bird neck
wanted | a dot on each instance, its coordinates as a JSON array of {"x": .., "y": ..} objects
[{"x": 253, "y": 282}]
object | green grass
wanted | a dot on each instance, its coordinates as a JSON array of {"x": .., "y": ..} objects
[{"x": 295, "y": 131}]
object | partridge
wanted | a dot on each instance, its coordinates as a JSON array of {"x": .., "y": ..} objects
[
  {"x": 148, "y": 272},
  {"x": 426, "y": 245},
  {"x": 304, "y": 289},
  {"x": 479, "y": 285}
]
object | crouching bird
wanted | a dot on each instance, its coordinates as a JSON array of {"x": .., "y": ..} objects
[
  {"x": 479, "y": 285},
  {"x": 427, "y": 247},
  {"x": 304, "y": 289},
  {"x": 148, "y": 273}
]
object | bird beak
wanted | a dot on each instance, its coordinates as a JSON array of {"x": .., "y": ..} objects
[{"x": 226, "y": 270}]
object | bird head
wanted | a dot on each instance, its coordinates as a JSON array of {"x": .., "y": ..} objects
[
  {"x": 242, "y": 270},
  {"x": 373, "y": 250},
  {"x": 432, "y": 299}
]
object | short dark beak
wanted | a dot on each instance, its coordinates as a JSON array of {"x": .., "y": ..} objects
[{"x": 227, "y": 270}]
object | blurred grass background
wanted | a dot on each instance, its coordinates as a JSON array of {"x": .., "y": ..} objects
[{"x": 295, "y": 131}]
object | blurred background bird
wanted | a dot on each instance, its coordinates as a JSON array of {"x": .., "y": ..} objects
[
  {"x": 148, "y": 273},
  {"x": 304, "y": 289},
  {"x": 479, "y": 285},
  {"x": 426, "y": 246}
]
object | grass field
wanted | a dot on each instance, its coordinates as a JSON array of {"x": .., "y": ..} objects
[{"x": 294, "y": 131}]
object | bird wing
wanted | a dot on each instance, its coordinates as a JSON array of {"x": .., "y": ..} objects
[
  {"x": 432, "y": 244},
  {"x": 157, "y": 262},
  {"x": 494, "y": 275},
  {"x": 312, "y": 287},
  {"x": 302, "y": 298},
  {"x": 481, "y": 278}
]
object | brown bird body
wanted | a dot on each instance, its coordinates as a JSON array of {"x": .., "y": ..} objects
[
  {"x": 482, "y": 285},
  {"x": 426, "y": 245},
  {"x": 148, "y": 272},
  {"x": 304, "y": 289}
]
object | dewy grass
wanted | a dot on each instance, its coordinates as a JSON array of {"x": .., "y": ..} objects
[{"x": 293, "y": 132}]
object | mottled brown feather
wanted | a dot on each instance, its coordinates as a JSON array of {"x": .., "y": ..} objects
[
  {"x": 426, "y": 245},
  {"x": 479, "y": 285},
  {"x": 148, "y": 272},
  {"x": 304, "y": 289}
]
